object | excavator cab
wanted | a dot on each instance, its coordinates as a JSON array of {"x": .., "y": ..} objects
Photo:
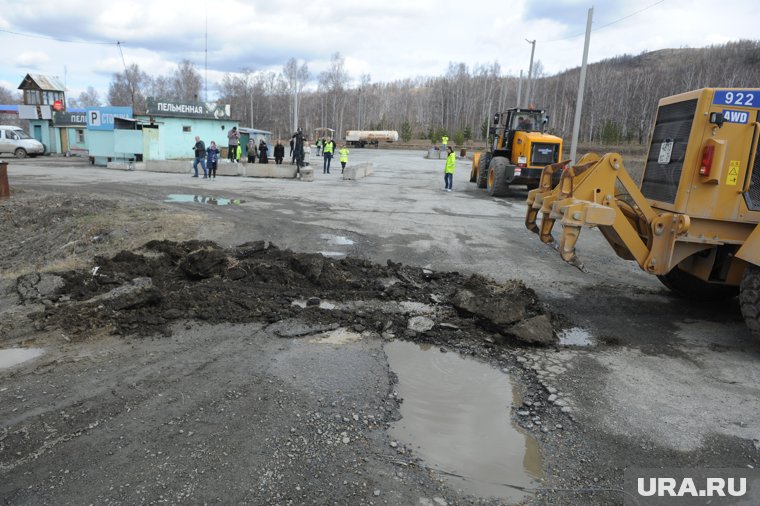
[{"x": 518, "y": 151}]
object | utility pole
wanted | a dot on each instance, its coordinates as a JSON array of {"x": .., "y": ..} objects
[
  {"x": 581, "y": 86},
  {"x": 530, "y": 69},
  {"x": 205, "y": 97},
  {"x": 519, "y": 90}
]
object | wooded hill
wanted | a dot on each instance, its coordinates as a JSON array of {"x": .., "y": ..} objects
[{"x": 619, "y": 105}]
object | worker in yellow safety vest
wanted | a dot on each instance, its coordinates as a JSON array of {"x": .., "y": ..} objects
[
  {"x": 327, "y": 152},
  {"x": 343, "y": 152},
  {"x": 448, "y": 172},
  {"x": 444, "y": 142}
]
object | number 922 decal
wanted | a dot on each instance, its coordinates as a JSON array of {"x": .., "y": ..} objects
[{"x": 745, "y": 98}]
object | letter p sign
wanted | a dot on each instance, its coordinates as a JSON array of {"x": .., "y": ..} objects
[{"x": 94, "y": 117}]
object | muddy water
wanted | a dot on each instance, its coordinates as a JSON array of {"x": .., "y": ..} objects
[
  {"x": 15, "y": 356},
  {"x": 575, "y": 336},
  {"x": 203, "y": 199},
  {"x": 456, "y": 417}
]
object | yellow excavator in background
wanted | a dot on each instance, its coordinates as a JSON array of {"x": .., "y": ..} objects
[
  {"x": 519, "y": 149},
  {"x": 695, "y": 220}
]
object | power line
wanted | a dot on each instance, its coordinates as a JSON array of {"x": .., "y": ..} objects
[
  {"x": 605, "y": 25},
  {"x": 45, "y": 37}
]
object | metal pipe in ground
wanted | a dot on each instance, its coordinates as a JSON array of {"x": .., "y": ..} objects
[{"x": 5, "y": 188}]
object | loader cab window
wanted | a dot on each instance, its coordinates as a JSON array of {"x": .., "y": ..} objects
[{"x": 529, "y": 121}]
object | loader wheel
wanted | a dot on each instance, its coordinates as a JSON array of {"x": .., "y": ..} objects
[
  {"x": 749, "y": 298},
  {"x": 474, "y": 169},
  {"x": 497, "y": 177},
  {"x": 483, "y": 163},
  {"x": 691, "y": 287}
]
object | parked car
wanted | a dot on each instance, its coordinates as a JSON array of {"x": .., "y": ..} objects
[{"x": 14, "y": 140}]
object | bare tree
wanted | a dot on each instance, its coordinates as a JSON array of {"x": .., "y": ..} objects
[
  {"x": 296, "y": 77},
  {"x": 187, "y": 82},
  {"x": 9, "y": 97},
  {"x": 88, "y": 98},
  {"x": 129, "y": 88},
  {"x": 333, "y": 81}
]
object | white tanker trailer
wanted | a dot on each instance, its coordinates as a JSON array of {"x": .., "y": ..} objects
[{"x": 361, "y": 138}]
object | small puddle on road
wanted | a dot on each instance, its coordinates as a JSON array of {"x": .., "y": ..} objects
[
  {"x": 456, "y": 416},
  {"x": 337, "y": 240},
  {"x": 338, "y": 336},
  {"x": 15, "y": 356},
  {"x": 203, "y": 199},
  {"x": 575, "y": 336}
]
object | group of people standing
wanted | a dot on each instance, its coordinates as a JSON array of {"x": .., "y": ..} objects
[
  {"x": 326, "y": 148},
  {"x": 208, "y": 158}
]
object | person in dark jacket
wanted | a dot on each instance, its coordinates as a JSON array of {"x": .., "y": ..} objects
[
  {"x": 200, "y": 156},
  {"x": 263, "y": 158},
  {"x": 298, "y": 150},
  {"x": 212, "y": 158},
  {"x": 279, "y": 152},
  {"x": 251, "y": 147}
]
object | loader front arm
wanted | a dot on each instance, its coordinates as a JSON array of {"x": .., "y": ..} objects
[{"x": 587, "y": 195}]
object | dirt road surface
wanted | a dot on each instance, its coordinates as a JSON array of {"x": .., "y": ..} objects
[{"x": 248, "y": 365}]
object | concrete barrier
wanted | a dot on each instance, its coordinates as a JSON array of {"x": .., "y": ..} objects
[
  {"x": 170, "y": 166},
  {"x": 307, "y": 174},
  {"x": 269, "y": 170},
  {"x": 358, "y": 171},
  {"x": 126, "y": 165},
  {"x": 435, "y": 154}
]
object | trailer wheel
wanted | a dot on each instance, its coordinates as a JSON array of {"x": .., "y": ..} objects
[
  {"x": 483, "y": 163},
  {"x": 749, "y": 298},
  {"x": 497, "y": 177},
  {"x": 691, "y": 287}
]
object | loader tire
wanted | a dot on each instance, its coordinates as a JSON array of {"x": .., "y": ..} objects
[
  {"x": 474, "y": 169},
  {"x": 691, "y": 287},
  {"x": 497, "y": 177},
  {"x": 483, "y": 163},
  {"x": 749, "y": 298}
]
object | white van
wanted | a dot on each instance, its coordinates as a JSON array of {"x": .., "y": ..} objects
[{"x": 16, "y": 141}]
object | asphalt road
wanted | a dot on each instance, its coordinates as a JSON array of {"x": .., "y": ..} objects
[{"x": 665, "y": 382}]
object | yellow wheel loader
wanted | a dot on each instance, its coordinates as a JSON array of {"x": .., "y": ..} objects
[
  {"x": 519, "y": 149},
  {"x": 694, "y": 222}
]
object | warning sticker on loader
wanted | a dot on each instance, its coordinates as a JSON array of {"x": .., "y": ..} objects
[{"x": 733, "y": 173}]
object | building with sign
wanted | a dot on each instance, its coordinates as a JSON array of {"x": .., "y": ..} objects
[
  {"x": 41, "y": 93},
  {"x": 175, "y": 125}
]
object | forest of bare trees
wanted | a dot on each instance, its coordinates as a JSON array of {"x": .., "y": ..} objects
[{"x": 619, "y": 105}]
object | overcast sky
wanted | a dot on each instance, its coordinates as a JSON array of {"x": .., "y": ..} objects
[{"x": 388, "y": 39}]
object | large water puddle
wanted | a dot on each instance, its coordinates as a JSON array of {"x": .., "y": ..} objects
[
  {"x": 456, "y": 417},
  {"x": 15, "y": 356},
  {"x": 203, "y": 199}
]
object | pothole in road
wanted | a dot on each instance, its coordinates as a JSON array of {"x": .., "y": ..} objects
[
  {"x": 202, "y": 199},
  {"x": 575, "y": 336},
  {"x": 15, "y": 356},
  {"x": 456, "y": 416}
]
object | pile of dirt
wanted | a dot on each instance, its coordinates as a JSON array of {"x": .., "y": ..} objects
[{"x": 145, "y": 291}]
